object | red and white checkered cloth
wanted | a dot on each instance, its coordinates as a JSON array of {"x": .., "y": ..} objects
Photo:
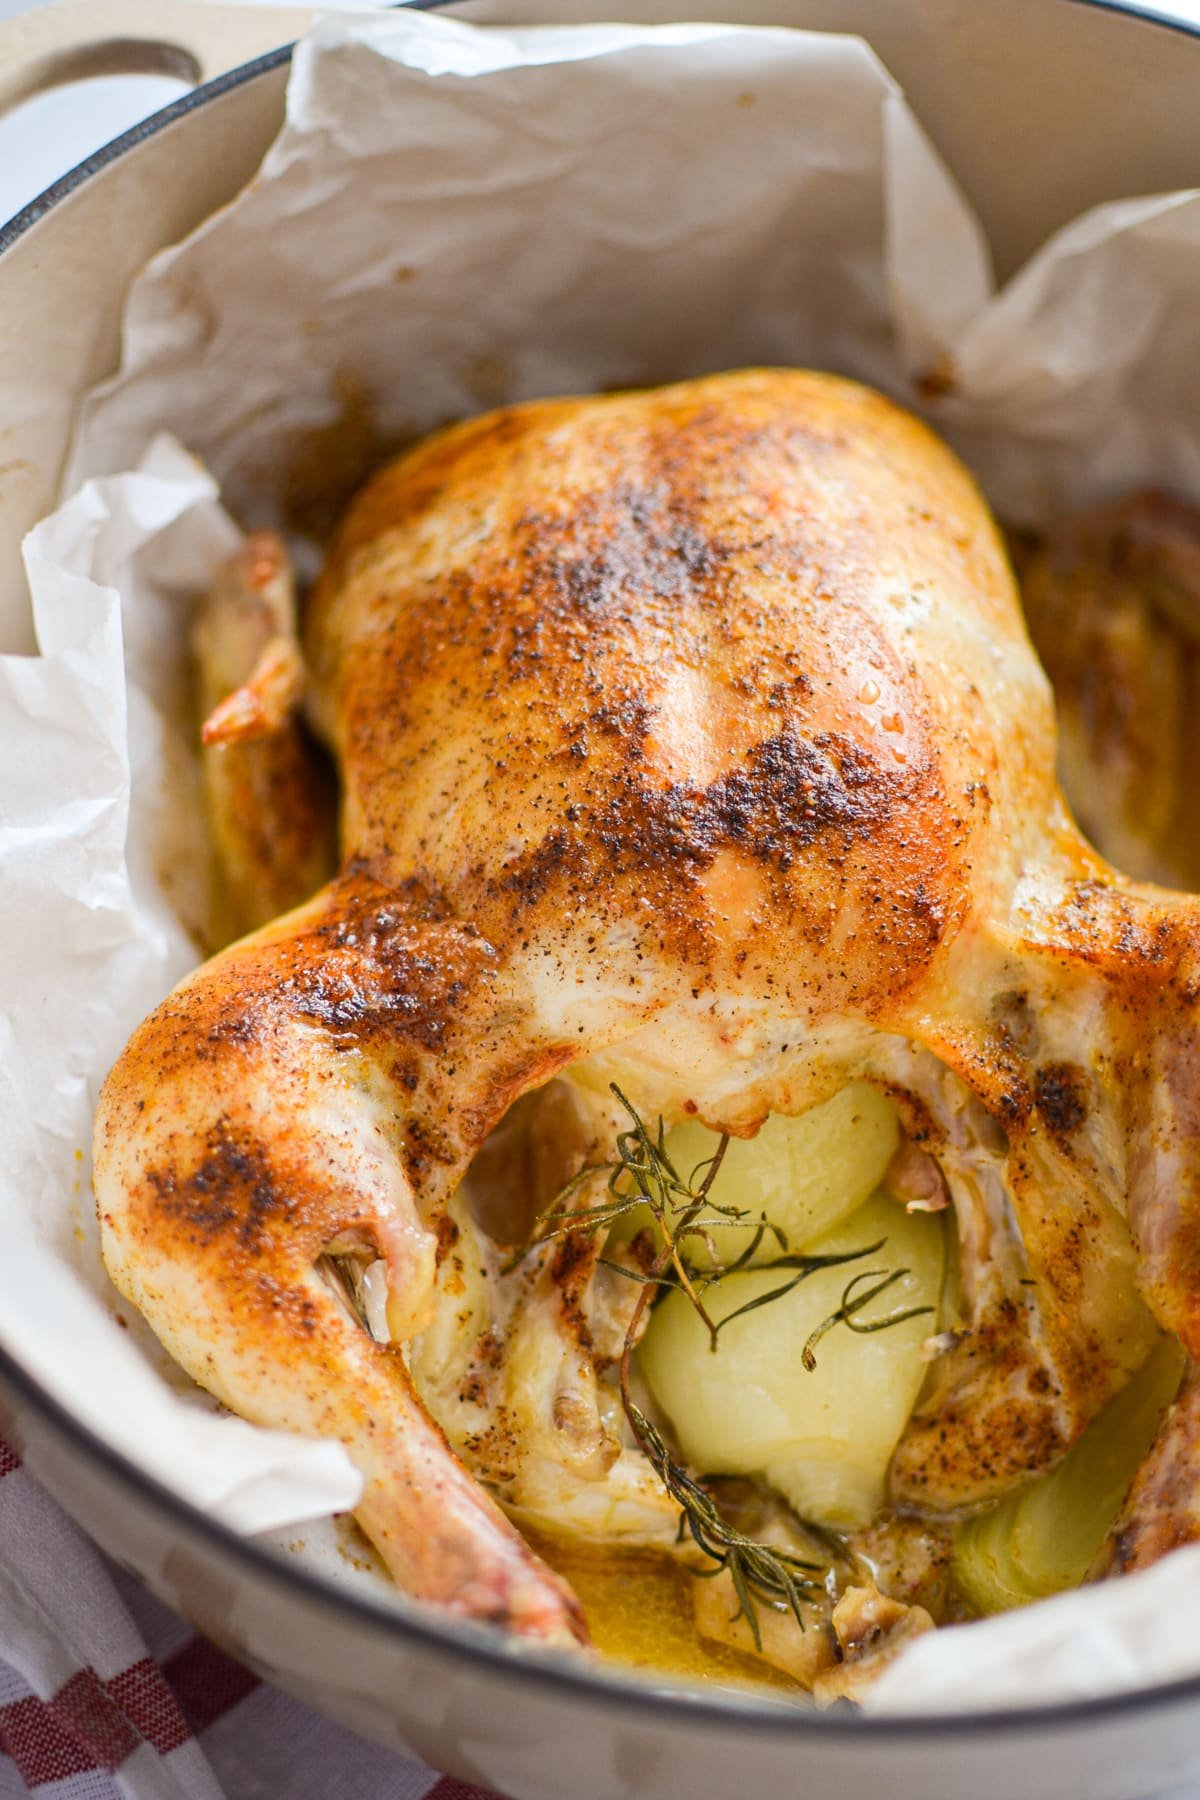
[{"x": 106, "y": 1694}]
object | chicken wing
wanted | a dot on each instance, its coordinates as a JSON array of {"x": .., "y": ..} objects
[{"x": 270, "y": 804}]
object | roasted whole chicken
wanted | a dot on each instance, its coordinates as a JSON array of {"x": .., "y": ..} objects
[{"x": 689, "y": 740}]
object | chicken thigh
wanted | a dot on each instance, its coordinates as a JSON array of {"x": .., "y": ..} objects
[{"x": 693, "y": 739}]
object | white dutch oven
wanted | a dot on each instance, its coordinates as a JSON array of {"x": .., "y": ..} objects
[{"x": 1042, "y": 108}]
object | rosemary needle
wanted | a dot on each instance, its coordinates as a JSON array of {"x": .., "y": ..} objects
[{"x": 845, "y": 1314}]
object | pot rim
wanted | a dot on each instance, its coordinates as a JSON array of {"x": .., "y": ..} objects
[{"x": 455, "y": 1639}]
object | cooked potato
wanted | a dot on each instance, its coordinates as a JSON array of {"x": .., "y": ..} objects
[
  {"x": 1046, "y": 1537},
  {"x": 823, "y": 1437},
  {"x": 803, "y": 1174}
]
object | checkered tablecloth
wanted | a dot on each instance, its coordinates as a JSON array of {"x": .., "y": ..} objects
[{"x": 105, "y": 1693}]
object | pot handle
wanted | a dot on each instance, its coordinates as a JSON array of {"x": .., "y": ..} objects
[{"x": 74, "y": 39}]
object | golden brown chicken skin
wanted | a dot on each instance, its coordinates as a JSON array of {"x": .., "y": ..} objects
[{"x": 693, "y": 736}]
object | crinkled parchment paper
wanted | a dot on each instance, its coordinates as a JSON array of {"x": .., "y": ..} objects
[{"x": 453, "y": 218}]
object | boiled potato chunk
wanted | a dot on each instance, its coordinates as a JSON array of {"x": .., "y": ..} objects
[
  {"x": 1046, "y": 1537},
  {"x": 803, "y": 1174},
  {"x": 824, "y": 1437}
]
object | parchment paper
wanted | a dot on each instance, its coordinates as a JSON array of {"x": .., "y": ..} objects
[
  {"x": 453, "y": 218},
  {"x": 95, "y": 799}
]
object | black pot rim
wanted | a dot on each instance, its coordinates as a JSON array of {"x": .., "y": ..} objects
[{"x": 451, "y": 1638}]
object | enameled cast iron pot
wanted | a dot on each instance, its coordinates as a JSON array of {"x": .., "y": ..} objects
[{"x": 1042, "y": 108}]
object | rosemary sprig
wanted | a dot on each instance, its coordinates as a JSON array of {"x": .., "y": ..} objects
[
  {"x": 684, "y": 1212},
  {"x": 642, "y": 1175},
  {"x": 758, "y": 1572}
]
